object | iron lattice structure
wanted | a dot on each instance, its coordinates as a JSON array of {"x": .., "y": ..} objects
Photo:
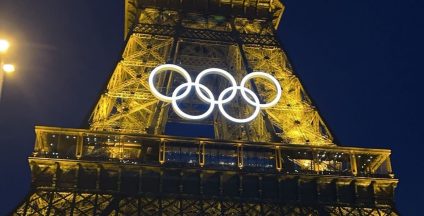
[{"x": 283, "y": 163}]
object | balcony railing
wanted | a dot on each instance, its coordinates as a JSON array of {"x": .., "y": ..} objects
[{"x": 89, "y": 145}]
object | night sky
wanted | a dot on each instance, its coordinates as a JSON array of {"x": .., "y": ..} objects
[{"x": 361, "y": 62}]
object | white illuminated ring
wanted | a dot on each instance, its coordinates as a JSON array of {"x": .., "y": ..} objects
[
  {"x": 265, "y": 76},
  {"x": 184, "y": 115},
  {"x": 209, "y": 97},
  {"x": 168, "y": 67},
  {"x": 215, "y": 71},
  {"x": 236, "y": 120}
]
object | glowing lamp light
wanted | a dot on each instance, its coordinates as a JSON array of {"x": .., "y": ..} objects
[
  {"x": 209, "y": 97},
  {"x": 4, "y": 45},
  {"x": 8, "y": 68}
]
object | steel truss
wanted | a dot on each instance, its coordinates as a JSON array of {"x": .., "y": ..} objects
[
  {"x": 80, "y": 172},
  {"x": 283, "y": 163},
  {"x": 45, "y": 202},
  {"x": 196, "y": 42}
]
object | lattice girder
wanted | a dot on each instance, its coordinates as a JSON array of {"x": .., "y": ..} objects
[
  {"x": 67, "y": 203},
  {"x": 284, "y": 162},
  {"x": 154, "y": 11},
  {"x": 127, "y": 105},
  {"x": 295, "y": 115},
  {"x": 294, "y": 118},
  {"x": 83, "y": 172}
]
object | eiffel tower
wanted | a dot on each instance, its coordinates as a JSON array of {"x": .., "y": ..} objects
[{"x": 138, "y": 156}]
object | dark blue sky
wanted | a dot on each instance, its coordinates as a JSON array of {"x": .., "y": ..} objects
[{"x": 361, "y": 62}]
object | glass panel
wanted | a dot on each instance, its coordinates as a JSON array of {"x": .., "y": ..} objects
[
  {"x": 66, "y": 146},
  {"x": 365, "y": 162},
  {"x": 179, "y": 152},
  {"x": 218, "y": 155},
  {"x": 131, "y": 149},
  {"x": 333, "y": 163},
  {"x": 258, "y": 157},
  {"x": 101, "y": 146},
  {"x": 298, "y": 161},
  {"x": 57, "y": 145},
  {"x": 382, "y": 170}
]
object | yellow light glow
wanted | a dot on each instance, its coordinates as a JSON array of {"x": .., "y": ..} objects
[
  {"x": 8, "y": 68},
  {"x": 4, "y": 45}
]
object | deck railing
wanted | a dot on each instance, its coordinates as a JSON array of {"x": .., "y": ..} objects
[{"x": 89, "y": 145}]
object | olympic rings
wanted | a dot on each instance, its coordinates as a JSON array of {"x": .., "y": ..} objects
[{"x": 206, "y": 95}]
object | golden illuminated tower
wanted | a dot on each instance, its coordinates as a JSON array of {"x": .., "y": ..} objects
[{"x": 284, "y": 162}]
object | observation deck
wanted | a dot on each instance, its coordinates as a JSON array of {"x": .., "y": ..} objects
[
  {"x": 80, "y": 144},
  {"x": 133, "y": 164}
]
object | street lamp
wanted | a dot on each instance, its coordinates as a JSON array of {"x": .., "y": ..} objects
[
  {"x": 4, "y": 45},
  {"x": 8, "y": 68},
  {"x": 4, "y": 68}
]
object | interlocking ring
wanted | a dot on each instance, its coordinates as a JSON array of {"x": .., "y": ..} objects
[{"x": 206, "y": 95}]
